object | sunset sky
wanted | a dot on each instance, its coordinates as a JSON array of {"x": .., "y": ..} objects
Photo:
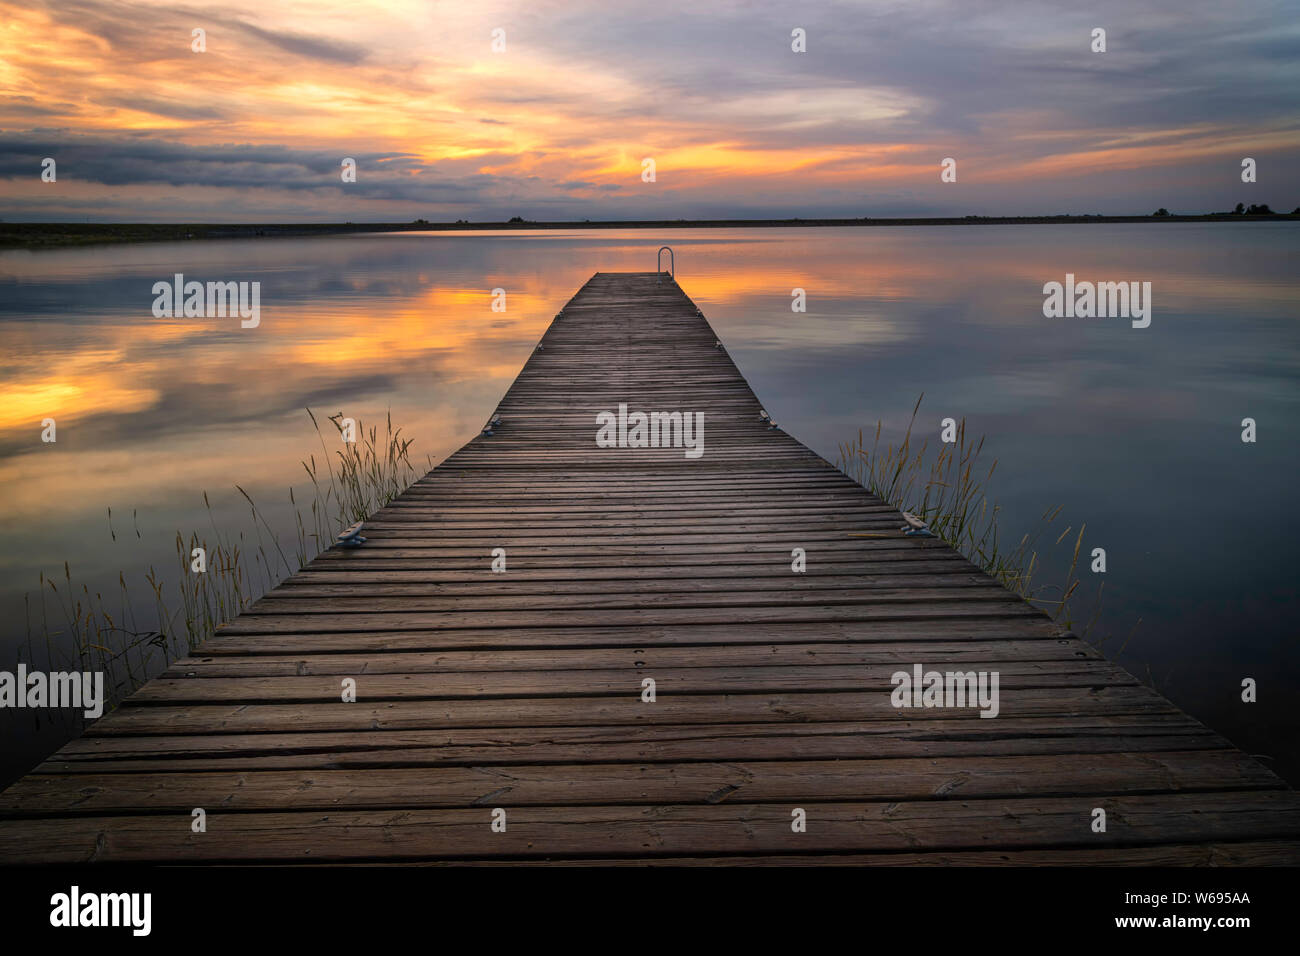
[{"x": 556, "y": 126}]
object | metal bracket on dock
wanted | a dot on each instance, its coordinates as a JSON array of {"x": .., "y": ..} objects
[
  {"x": 351, "y": 537},
  {"x": 672, "y": 262}
]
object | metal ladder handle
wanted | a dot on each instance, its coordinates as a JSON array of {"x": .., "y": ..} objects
[{"x": 672, "y": 262}]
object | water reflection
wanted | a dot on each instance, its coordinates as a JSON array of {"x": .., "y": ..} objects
[{"x": 1134, "y": 432}]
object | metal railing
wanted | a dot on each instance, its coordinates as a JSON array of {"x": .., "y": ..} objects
[{"x": 672, "y": 262}]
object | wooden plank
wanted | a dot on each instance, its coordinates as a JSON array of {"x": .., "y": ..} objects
[
  {"x": 938, "y": 654},
  {"x": 600, "y": 831},
  {"x": 969, "y": 588},
  {"x": 1120, "y": 733},
  {"x": 607, "y": 682},
  {"x": 735, "y": 782},
  {"x": 1271, "y": 853},
  {"x": 973, "y": 627},
  {"x": 231, "y": 717},
  {"x": 324, "y": 623}
]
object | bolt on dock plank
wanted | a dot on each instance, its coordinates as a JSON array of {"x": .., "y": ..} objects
[{"x": 522, "y": 690}]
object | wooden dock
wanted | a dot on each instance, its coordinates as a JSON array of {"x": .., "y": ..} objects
[{"x": 523, "y": 691}]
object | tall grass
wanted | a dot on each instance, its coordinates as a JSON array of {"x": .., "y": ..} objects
[
  {"x": 947, "y": 488},
  {"x": 86, "y": 631}
]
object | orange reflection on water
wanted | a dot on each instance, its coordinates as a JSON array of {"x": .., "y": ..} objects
[{"x": 162, "y": 409}]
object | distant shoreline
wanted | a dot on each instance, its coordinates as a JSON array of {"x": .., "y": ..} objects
[{"x": 45, "y": 235}]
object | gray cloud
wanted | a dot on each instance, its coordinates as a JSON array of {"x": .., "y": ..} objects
[
  {"x": 123, "y": 23},
  {"x": 307, "y": 46}
]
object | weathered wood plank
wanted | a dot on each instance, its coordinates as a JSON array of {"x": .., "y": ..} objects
[
  {"x": 231, "y": 717},
  {"x": 938, "y": 654},
  {"x": 735, "y": 782},
  {"x": 1120, "y": 733},
  {"x": 1273, "y": 853},
  {"x": 607, "y": 682},
  {"x": 594, "y": 831},
  {"x": 975, "y": 628}
]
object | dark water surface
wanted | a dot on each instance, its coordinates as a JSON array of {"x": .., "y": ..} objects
[{"x": 1135, "y": 432}]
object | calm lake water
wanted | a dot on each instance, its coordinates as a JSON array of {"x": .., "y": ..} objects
[{"x": 1134, "y": 432}]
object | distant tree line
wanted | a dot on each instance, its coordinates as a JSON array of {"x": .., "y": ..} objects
[{"x": 1242, "y": 210}]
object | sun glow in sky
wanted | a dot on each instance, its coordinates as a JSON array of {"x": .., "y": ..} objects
[{"x": 556, "y": 125}]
